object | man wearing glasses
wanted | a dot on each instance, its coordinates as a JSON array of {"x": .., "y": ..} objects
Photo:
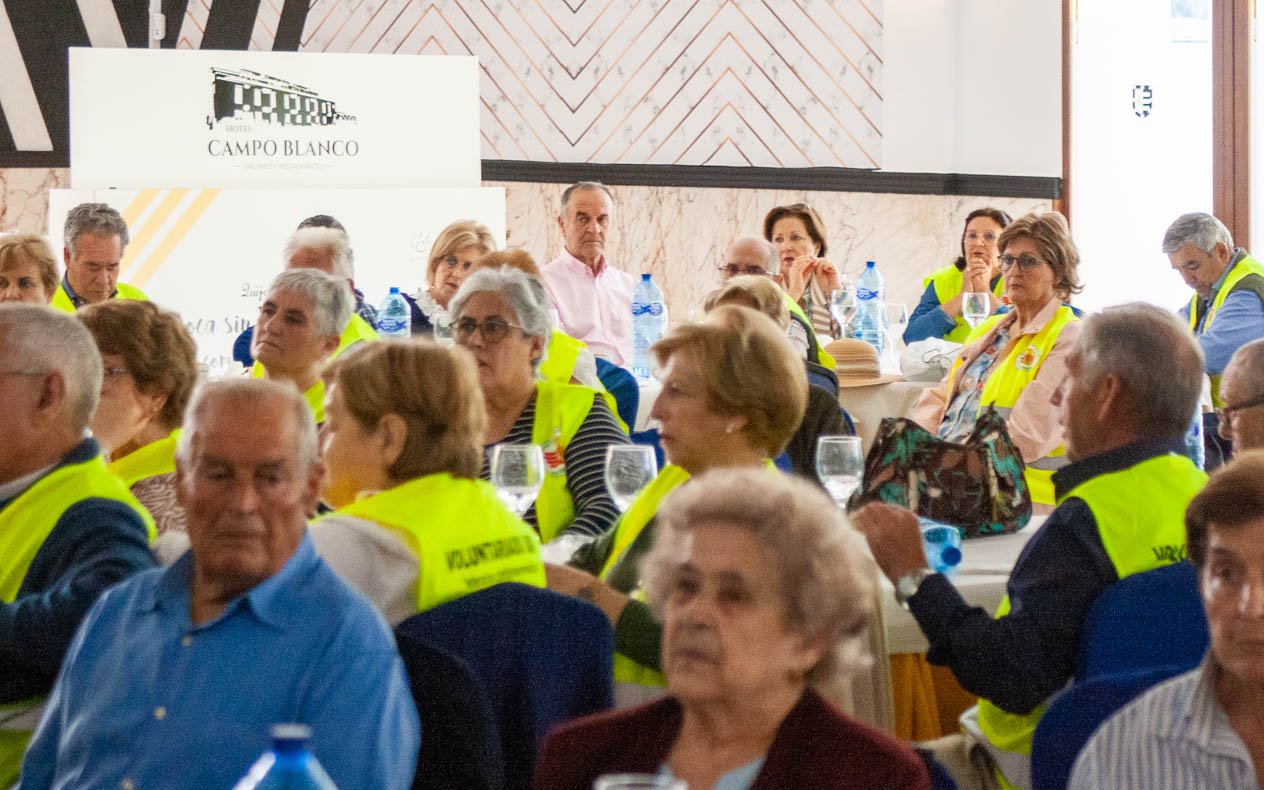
[
  {"x": 1227, "y": 309},
  {"x": 1242, "y": 389}
]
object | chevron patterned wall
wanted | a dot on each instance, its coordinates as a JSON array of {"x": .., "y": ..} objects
[{"x": 777, "y": 83}]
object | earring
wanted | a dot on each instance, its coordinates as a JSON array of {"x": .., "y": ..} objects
[{"x": 728, "y": 428}]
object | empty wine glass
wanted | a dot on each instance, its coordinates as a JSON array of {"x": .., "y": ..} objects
[
  {"x": 897, "y": 317},
  {"x": 629, "y": 468},
  {"x": 975, "y": 307},
  {"x": 517, "y": 474},
  {"x": 842, "y": 304},
  {"x": 839, "y": 464}
]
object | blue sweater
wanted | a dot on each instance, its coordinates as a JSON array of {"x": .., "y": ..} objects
[{"x": 96, "y": 543}]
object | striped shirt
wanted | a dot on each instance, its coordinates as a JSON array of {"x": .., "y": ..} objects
[
  {"x": 1173, "y": 737},
  {"x": 595, "y": 511}
]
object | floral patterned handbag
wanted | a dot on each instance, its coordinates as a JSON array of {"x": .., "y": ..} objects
[{"x": 976, "y": 485}]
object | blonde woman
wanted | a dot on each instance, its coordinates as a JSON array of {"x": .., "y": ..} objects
[{"x": 455, "y": 253}]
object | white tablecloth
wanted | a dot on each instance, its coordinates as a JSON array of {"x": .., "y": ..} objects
[
  {"x": 981, "y": 579},
  {"x": 868, "y": 405},
  {"x": 648, "y": 390}
]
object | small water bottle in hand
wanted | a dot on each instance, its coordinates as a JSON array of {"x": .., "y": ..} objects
[
  {"x": 649, "y": 320},
  {"x": 288, "y": 765},
  {"x": 942, "y": 543},
  {"x": 394, "y": 319}
]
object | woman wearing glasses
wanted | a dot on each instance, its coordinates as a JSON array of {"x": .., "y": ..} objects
[
  {"x": 455, "y": 253},
  {"x": 1014, "y": 360},
  {"x": 502, "y": 317},
  {"x": 976, "y": 270}
]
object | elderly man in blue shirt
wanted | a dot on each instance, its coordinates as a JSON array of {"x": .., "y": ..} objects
[{"x": 176, "y": 675}]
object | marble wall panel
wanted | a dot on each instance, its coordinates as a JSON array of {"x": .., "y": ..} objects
[{"x": 24, "y": 197}]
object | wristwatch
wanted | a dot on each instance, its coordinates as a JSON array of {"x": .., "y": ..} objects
[{"x": 907, "y": 585}]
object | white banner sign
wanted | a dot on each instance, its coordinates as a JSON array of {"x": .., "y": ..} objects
[
  {"x": 144, "y": 118},
  {"x": 209, "y": 254}
]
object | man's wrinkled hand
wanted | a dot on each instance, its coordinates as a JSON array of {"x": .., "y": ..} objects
[{"x": 895, "y": 538}]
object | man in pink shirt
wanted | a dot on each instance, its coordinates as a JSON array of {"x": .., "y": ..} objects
[{"x": 593, "y": 299}]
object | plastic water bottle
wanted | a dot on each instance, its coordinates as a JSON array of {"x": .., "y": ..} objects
[
  {"x": 649, "y": 319},
  {"x": 394, "y": 319},
  {"x": 942, "y": 543},
  {"x": 1195, "y": 450},
  {"x": 871, "y": 307},
  {"x": 288, "y": 765}
]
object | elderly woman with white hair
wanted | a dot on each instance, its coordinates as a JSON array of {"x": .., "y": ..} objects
[
  {"x": 764, "y": 592},
  {"x": 502, "y": 316},
  {"x": 300, "y": 326}
]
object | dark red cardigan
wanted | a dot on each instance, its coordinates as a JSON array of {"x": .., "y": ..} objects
[{"x": 816, "y": 748}]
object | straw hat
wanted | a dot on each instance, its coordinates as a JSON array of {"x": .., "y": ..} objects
[{"x": 857, "y": 364}]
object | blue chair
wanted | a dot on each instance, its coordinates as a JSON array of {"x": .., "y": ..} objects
[
  {"x": 1075, "y": 715},
  {"x": 621, "y": 384},
  {"x": 460, "y": 744},
  {"x": 542, "y": 657},
  {"x": 1144, "y": 621},
  {"x": 823, "y": 377}
]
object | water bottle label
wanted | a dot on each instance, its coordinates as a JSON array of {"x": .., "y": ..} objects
[
  {"x": 653, "y": 308},
  {"x": 866, "y": 293}
]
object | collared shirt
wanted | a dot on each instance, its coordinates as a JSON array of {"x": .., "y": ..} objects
[
  {"x": 1174, "y": 737},
  {"x": 192, "y": 705},
  {"x": 594, "y": 307},
  {"x": 1060, "y": 573},
  {"x": 75, "y": 299},
  {"x": 1239, "y": 320}
]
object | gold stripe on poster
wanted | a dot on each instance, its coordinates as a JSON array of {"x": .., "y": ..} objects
[
  {"x": 174, "y": 236},
  {"x": 147, "y": 232},
  {"x": 131, "y": 214}
]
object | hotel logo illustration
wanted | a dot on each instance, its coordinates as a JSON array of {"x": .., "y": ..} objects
[{"x": 245, "y": 95}]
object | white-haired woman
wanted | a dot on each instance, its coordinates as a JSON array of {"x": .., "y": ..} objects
[
  {"x": 502, "y": 316},
  {"x": 764, "y": 591},
  {"x": 300, "y": 325}
]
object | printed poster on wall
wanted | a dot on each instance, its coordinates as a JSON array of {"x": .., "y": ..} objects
[
  {"x": 150, "y": 118},
  {"x": 209, "y": 254}
]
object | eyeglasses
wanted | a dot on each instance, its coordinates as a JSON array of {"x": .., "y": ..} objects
[
  {"x": 112, "y": 373},
  {"x": 493, "y": 330},
  {"x": 732, "y": 270},
  {"x": 451, "y": 262},
  {"x": 1025, "y": 264},
  {"x": 1225, "y": 413}
]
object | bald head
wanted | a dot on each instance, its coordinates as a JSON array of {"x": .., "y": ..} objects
[
  {"x": 750, "y": 255},
  {"x": 1241, "y": 385}
]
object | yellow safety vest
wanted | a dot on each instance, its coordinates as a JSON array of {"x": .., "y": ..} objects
[
  {"x": 949, "y": 281},
  {"x": 1242, "y": 268},
  {"x": 358, "y": 330},
  {"x": 155, "y": 458},
  {"x": 24, "y": 526},
  {"x": 1140, "y": 515},
  {"x": 627, "y": 529},
  {"x": 463, "y": 536},
  {"x": 560, "y": 358},
  {"x": 314, "y": 395},
  {"x": 823, "y": 357},
  {"x": 1004, "y": 386},
  {"x": 61, "y": 299},
  {"x": 559, "y": 411}
]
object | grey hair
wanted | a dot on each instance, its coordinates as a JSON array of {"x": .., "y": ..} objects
[
  {"x": 822, "y": 563},
  {"x": 335, "y": 241},
  {"x": 583, "y": 186},
  {"x": 773, "y": 262},
  {"x": 243, "y": 391},
  {"x": 331, "y": 297},
  {"x": 1201, "y": 230},
  {"x": 1247, "y": 364},
  {"x": 524, "y": 293},
  {"x": 93, "y": 218},
  {"x": 40, "y": 340},
  {"x": 1156, "y": 358}
]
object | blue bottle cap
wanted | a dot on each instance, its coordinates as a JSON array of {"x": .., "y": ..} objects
[
  {"x": 870, "y": 264},
  {"x": 950, "y": 556},
  {"x": 645, "y": 276},
  {"x": 394, "y": 289}
]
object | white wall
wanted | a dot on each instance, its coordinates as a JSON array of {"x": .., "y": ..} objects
[{"x": 973, "y": 86}]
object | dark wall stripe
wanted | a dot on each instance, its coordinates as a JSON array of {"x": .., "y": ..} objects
[
  {"x": 174, "y": 11},
  {"x": 826, "y": 179},
  {"x": 44, "y": 29},
  {"x": 229, "y": 24},
  {"x": 6, "y": 139},
  {"x": 133, "y": 16},
  {"x": 290, "y": 29}
]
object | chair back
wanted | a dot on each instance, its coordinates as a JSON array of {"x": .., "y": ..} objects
[
  {"x": 621, "y": 384},
  {"x": 460, "y": 745},
  {"x": 823, "y": 377},
  {"x": 542, "y": 657},
  {"x": 1145, "y": 620},
  {"x": 1075, "y": 715}
]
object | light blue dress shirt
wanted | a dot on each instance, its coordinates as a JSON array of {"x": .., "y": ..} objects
[{"x": 147, "y": 700}]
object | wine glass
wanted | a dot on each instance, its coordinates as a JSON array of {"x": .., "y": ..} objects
[
  {"x": 638, "y": 782},
  {"x": 517, "y": 474},
  {"x": 840, "y": 464},
  {"x": 629, "y": 468},
  {"x": 842, "y": 304},
  {"x": 975, "y": 307},
  {"x": 442, "y": 329},
  {"x": 897, "y": 318}
]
